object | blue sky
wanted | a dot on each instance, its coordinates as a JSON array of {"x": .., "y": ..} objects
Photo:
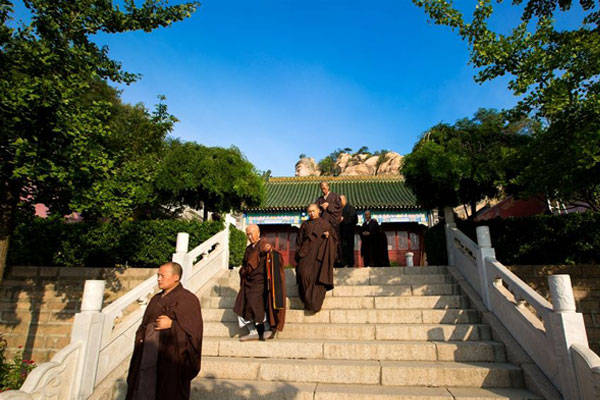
[{"x": 279, "y": 78}]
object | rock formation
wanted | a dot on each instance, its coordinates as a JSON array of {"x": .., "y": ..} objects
[
  {"x": 354, "y": 165},
  {"x": 307, "y": 167}
]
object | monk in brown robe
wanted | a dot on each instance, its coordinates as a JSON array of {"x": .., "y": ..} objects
[
  {"x": 251, "y": 302},
  {"x": 331, "y": 207},
  {"x": 168, "y": 343},
  {"x": 316, "y": 253}
]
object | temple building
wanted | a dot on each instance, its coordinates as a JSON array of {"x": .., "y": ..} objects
[{"x": 390, "y": 201}]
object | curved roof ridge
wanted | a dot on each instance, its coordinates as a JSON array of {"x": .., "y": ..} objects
[{"x": 278, "y": 179}]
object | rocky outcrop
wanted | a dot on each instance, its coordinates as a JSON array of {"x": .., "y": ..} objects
[
  {"x": 307, "y": 167},
  {"x": 347, "y": 164}
]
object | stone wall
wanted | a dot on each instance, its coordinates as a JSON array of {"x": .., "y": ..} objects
[
  {"x": 37, "y": 304},
  {"x": 586, "y": 288}
]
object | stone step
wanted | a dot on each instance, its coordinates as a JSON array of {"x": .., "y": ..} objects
[
  {"x": 332, "y": 331},
  {"x": 368, "y": 276},
  {"x": 480, "y": 351},
  {"x": 392, "y": 316},
  {"x": 387, "y": 373},
  {"x": 231, "y": 289},
  {"x": 223, "y": 389},
  {"x": 353, "y": 303}
]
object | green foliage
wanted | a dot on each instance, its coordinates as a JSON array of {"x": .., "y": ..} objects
[
  {"x": 132, "y": 243},
  {"x": 237, "y": 246},
  {"x": 327, "y": 166},
  {"x": 465, "y": 162},
  {"x": 555, "y": 72},
  {"x": 53, "y": 136},
  {"x": 13, "y": 372},
  {"x": 220, "y": 179},
  {"x": 537, "y": 240}
]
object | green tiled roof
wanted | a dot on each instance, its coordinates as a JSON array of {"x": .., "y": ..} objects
[{"x": 295, "y": 193}]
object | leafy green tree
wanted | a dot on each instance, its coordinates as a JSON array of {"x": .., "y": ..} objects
[
  {"x": 556, "y": 73},
  {"x": 465, "y": 162},
  {"x": 214, "y": 178},
  {"x": 51, "y": 142}
]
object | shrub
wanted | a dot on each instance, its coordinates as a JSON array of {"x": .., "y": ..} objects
[
  {"x": 13, "y": 372},
  {"x": 536, "y": 240},
  {"x": 237, "y": 246},
  {"x": 139, "y": 243}
]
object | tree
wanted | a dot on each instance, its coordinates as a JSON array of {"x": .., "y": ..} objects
[
  {"x": 465, "y": 162},
  {"x": 51, "y": 143},
  {"x": 214, "y": 178},
  {"x": 556, "y": 72}
]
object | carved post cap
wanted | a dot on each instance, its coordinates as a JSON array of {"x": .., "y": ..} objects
[
  {"x": 449, "y": 215},
  {"x": 409, "y": 259},
  {"x": 93, "y": 294},
  {"x": 484, "y": 238},
  {"x": 183, "y": 241},
  {"x": 561, "y": 292}
]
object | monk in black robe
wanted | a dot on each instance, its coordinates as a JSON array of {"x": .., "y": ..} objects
[
  {"x": 347, "y": 228},
  {"x": 252, "y": 301},
  {"x": 369, "y": 233},
  {"x": 168, "y": 343},
  {"x": 316, "y": 253}
]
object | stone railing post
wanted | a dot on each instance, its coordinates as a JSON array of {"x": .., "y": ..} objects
[
  {"x": 409, "y": 259},
  {"x": 566, "y": 328},
  {"x": 484, "y": 250},
  {"x": 181, "y": 256},
  {"x": 449, "y": 224},
  {"x": 87, "y": 329},
  {"x": 228, "y": 221}
]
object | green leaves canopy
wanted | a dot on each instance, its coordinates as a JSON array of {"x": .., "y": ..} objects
[
  {"x": 556, "y": 74},
  {"x": 218, "y": 178},
  {"x": 465, "y": 162}
]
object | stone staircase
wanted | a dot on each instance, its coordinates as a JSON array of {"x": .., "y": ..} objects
[{"x": 383, "y": 333}]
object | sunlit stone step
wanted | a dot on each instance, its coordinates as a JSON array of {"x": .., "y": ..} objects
[
  {"x": 330, "y": 331},
  {"x": 425, "y": 373},
  {"x": 222, "y": 389},
  {"x": 353, "y": 303},
  {"x": 392, "y": 316},
  {"x": 481, "y": 351},
  {"x": 388, "y": 373}
]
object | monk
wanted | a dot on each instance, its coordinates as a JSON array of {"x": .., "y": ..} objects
[
  {"x": 259, "y": 308},
  {"x": 347, "y": 228},
  {"x": 168, "y": 343},
  {"x": 369, "y": 234},
  {"x": 331, "y": 207},
  {"x": 316, "y": 253}
]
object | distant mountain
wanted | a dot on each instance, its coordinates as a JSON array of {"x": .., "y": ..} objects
[{"x": 359, "y": 164}]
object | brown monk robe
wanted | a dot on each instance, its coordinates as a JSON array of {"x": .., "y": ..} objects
[
  {"x": 276, "y": 297},
  {"x": 250, "y": 304},
  {"x": 168, "y": 343},
  {"x": 316, "y": 253}
]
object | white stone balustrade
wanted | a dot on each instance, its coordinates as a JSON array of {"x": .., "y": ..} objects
[
  {"x": 553, "y": 335},
  {"x": 98, "y": 342}
]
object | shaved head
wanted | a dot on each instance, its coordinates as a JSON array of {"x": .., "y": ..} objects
[
  {"x": 344, "y": 200},
  {"x": 253, "y": 233},
  {"x": 176, "y": 268},
  {"x": 313, "y": 211}
]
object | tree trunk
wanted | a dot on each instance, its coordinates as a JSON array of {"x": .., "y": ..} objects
[
  {"x": 473, "y": 209},
  {"x": 205, "y": 212},
  {"x": 8, "y": 207}
]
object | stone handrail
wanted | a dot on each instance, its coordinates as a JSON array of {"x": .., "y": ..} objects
[
  {"x": 50, "y": 380},
  {"x": 553, "y": 334},
  {"x": 100, "y": 340},
  {"x": 587, "y": 365}
]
